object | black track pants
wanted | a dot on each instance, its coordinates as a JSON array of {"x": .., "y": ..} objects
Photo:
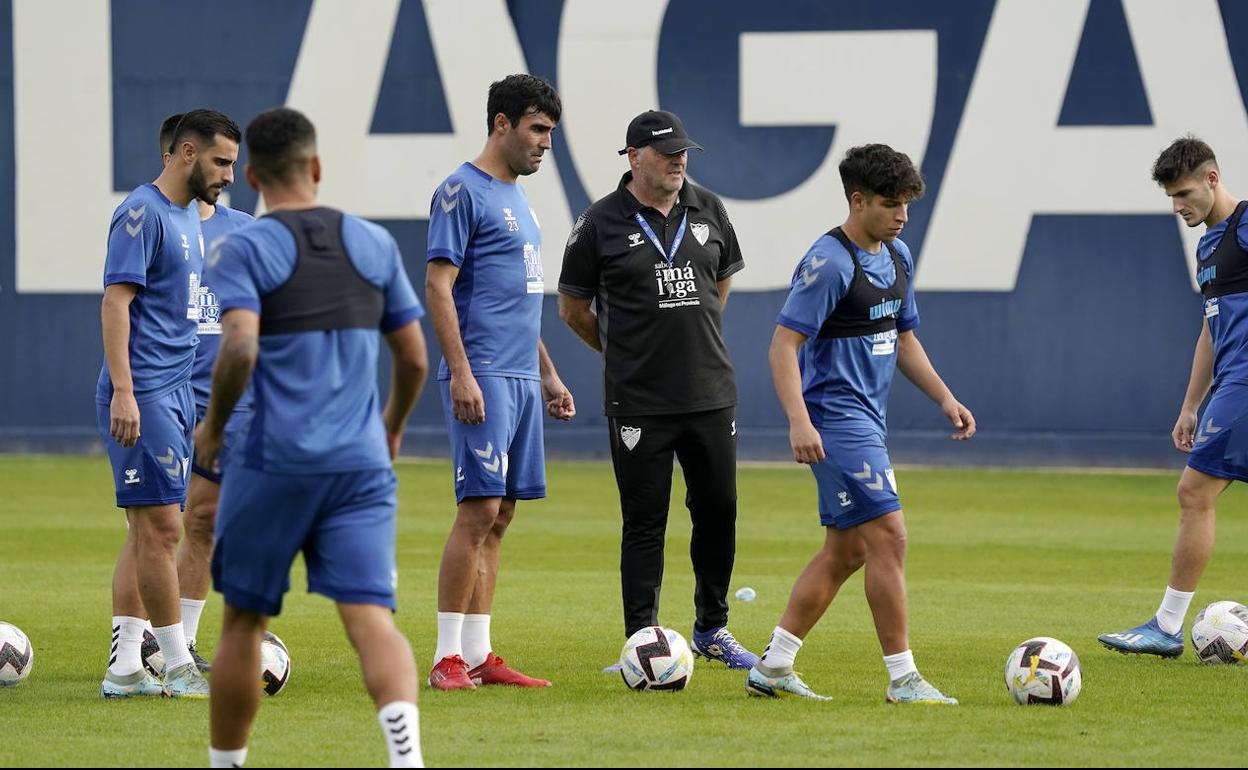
[{"x": 641, "y": 450}]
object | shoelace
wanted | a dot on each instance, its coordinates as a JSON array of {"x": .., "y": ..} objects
[{"x": 730, "y": 643}]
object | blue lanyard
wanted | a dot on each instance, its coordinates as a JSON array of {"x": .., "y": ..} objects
[{"x": 680, "y": 235}]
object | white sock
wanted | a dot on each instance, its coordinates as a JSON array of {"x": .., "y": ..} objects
[
  {"x": 781, "y": 650},
  {"x": 172, "y": 645},
  {"x": 476, "y": 639},
  {"x": 191, "y": 610},
  {"x": 450, "y": 635},
  {"x": 400, "y": 723},
  {"x": 1173, "y": 610},
  {"x": 124, "y": 656},
  {"x": 232, "y": 758},
  {"x": 899, "y": 665}
]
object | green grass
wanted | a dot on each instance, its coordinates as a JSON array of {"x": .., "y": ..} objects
[{"x": 995, "y": 557}]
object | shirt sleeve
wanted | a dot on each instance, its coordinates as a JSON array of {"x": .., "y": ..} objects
[
  {"x": 909, "y": 318},
  {"x": 1241, "y": 232},
  {"x": 451, "y": 221},
  {"x": 819, "y": 283},
  {"x": 582, "y": 262},
  {"x": 401, "y": 305},
  {"x": 731, "y": 261},
  {"x": 133, "y": 242},
  {"x": 228, "y": 270}
]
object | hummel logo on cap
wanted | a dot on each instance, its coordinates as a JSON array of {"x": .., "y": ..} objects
[{"x": 661, "y": 130}]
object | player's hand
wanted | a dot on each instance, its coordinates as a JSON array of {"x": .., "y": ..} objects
[
  {"x": 124, "y": 418},
  {"x": 207, "y": 447},
  {"x": 959, "y": 417},
  {"x": 467, "y": 400},
  {"x": 1184, "y": 432},
  {"x": 806, "y": 442},
  {"x": 558, "y": 398}
]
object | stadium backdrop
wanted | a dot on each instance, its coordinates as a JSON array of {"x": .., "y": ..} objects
[{"x": 1054, "y": 284}]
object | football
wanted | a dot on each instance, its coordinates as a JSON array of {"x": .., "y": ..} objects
[
  {"x": 1220, "y": 633},
  {"x": 1043, "y": 670},
  {"x": 17, "y": 655},
  {"x": 274, "y": 664},
  {"x": 656, "y": 658},
  {"x": 153, "y": 659}
]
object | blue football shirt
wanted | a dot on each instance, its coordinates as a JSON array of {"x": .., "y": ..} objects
[
  {"x": 845, "y": 381},
  {"x": 157, "y": 246},
  {"x": 223, "y": 221},
  {"x": 315, "y": 403},
  {"x": 485, "y": 227},
  {"x": 1228, "y": 316}
]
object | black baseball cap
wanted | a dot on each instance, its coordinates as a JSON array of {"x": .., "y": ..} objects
[{"x": 661, "y": 130}]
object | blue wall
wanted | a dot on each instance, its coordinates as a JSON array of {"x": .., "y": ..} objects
[{"x": 1083, "y": 362}]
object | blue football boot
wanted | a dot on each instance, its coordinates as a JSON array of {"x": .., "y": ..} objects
[
  {"x": 719, "y": 644},
  {"x": 1147, "y": 639}
]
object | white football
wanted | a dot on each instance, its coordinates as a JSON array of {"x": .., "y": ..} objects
[
  {"x": 17, "y": 655},
  {"x": 656, "y": 658},
  {"x": 274, "y": 664},
  {"x": 1043, "y": 670},
  {"x": 1220, "y": 633}
]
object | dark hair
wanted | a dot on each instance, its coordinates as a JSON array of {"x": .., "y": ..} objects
[
  {"x": 877, "y": 169},
  {"x": 516, "y": 95},
  {"x": 166, "y": 132},
  {"x": 203, "y": 126},
  {"x": 1183, "y": 157},
  {"x": 280, "y": 142}
]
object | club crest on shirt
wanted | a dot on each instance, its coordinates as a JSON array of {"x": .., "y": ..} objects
[
  {"x": 630, "y": 436},
  {"x": 701, "y": 231}
]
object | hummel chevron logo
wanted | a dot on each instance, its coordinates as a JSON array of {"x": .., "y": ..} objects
[
  {"x": 171, "y": 464},
  {"x": 808, "y": 277},
  {"x": 449, "y": 205},
  {"x": 1209, "y": 430},
  {"x": 138, "y": 214},
  {"x": 486, "y": 453},
  {"x": 450, "y": 201},
  {"x": 452, "y": 190},
  {"x": 135, "y": 227},
  {"x": 817, "y": 263},
  {"x": 866, "y": 473}
]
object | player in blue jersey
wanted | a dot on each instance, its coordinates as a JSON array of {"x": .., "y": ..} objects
[
  {"x": 1188, "y": 171},
  {"x": 484, "y": 284},
  {"x": 204, "y": 486},
  {"x": 306, "y": 292},
  {"x": 846, "y": 326},
  {"x": 143, "y": 397}
]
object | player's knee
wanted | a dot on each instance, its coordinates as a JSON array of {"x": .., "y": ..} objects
[
  {"x": 157, "y": 530},
  {"x": 200, "y": 521},
  {"x": 477, "y": 520},
  {"x": 1194, "y": 498}
]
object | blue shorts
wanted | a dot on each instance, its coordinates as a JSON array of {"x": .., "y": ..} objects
[
  {"x": 503, "y": 456},
  {"x": 855, "y": 479},
  {"x": 153, "y": 471},
  {"x": 1220, "y": 447},
  {"x": 235, "y": 433},
  {"x": 343, "y": 523}
]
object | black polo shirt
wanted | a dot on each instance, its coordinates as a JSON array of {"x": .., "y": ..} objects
[{"x": 661, "y": 325}]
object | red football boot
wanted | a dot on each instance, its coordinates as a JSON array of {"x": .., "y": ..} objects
[
  {"x": 495, "y": 671},
  {"x": 451, "y": 673}
]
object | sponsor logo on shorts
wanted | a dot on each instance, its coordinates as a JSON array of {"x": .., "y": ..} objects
[
  {"x": 459, "y": 475},
  {"x": 630, "y": 436},
  {"x": 132, "y": 476},
  {"x": 845, "y": 501}
]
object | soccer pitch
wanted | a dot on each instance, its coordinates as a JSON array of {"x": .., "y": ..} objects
[{"x": 995, "y": 558}]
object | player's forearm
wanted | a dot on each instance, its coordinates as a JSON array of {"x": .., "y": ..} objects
[
  {"x": 115, "y": 324},
  {"x": 787, "y": 377},
  {"x": 235, "y": 361},
  {"x": 1202, "y": 371},
  {"x": 545, "y": 364},
  {"x": 913, "y": 362},
  {"x": 581, "y": 320},
  {"x": 445, "y": 319},
  {"x": 407, "y": 378}
]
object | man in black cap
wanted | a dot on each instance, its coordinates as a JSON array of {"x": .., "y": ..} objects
[{"x": 656, "y": 256}]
